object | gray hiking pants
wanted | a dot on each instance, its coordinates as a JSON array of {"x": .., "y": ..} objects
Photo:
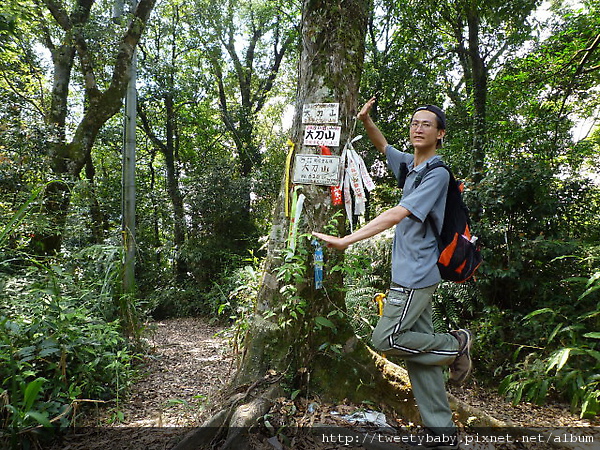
[{"x": 406, "y": 330}]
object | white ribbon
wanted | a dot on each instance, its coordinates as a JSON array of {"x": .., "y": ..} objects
[
  {"x": 356, "y": 183},
  {"x": 348, "y": 200},
  {"x": 357, "y": 178}
]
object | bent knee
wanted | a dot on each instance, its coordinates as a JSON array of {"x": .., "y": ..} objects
[
  {"x": 381, "y": 343},
  {"x": 391, "y": 344}
]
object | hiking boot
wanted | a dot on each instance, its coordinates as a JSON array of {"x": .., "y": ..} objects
[
  {"x": 460, "y": 369},
  {"x": 426, "y": 438}
]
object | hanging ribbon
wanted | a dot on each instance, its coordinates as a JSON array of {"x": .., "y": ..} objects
[
  {"x": 348, "y": 201},
  {"x": 357, "y": 178},
  {"x": 336, "y": 191},
  {"x": 288, "y": 183},
  {"x": 356, "y": 183},
  {"x": 296, "y": 211}
]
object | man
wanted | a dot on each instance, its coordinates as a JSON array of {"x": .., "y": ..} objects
[{"x": 406, "y": 328}]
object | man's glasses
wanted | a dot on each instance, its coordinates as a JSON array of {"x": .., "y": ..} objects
[{"x": 425, "y": 125}]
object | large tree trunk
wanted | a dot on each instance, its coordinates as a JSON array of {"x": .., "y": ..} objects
[
  {"x": 286, "y": 340},
  {"x": 330, "y": 68}
]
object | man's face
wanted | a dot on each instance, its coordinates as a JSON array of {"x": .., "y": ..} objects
[{"x": 424, "y": 132}]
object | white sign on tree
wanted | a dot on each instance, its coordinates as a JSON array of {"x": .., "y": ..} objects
[
  {"x": 320, "y": 113},
  {"x": 317, "y": 169},
  {"x": 322, "y": 135}
]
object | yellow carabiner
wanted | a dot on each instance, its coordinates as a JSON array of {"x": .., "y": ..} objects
[{"x": 380, "y": 300}]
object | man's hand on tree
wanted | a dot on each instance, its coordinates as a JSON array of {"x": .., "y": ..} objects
[{"x": 332, "y": 241}]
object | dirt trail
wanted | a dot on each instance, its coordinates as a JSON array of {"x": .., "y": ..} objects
[
  {"x": 190, "y": 361},
  {"x": 187, "y": 362}
]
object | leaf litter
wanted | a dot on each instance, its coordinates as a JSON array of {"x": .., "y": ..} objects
[{"x": 188, "y": 363}]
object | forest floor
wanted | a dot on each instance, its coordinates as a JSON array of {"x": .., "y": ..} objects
[{"x": 189, "y": 361}]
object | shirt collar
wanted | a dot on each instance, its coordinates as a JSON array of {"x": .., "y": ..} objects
[{"x": 411, "y": 166}]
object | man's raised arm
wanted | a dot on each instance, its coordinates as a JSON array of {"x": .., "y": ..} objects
[{"x": 375, "y": 135}]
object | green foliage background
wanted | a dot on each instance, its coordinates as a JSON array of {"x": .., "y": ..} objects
[{"x": 67, "y": 332}]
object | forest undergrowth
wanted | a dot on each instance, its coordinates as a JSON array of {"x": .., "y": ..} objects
[{"x": 190, "y": 361}]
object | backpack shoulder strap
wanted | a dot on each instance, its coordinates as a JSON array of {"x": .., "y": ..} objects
[
  {"x": 429, "y": 167},
  {"x": 428, "y": 219},
  {"x": 402, "y": 173}
]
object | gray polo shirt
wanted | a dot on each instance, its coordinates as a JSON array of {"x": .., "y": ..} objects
[{"x": 415, "y": 251}]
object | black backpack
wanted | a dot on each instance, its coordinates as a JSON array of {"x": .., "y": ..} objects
[{"x": 460, "y": 256}]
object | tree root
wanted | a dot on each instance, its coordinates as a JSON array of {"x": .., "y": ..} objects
[{"x": 228, "y": 428}]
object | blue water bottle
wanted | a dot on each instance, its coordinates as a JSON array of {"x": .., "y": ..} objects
[{"x": 318, "y": 264}]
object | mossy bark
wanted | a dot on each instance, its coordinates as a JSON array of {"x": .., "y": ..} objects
[{"x": 330, "y": 68}]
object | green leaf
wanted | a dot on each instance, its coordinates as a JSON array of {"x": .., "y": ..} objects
[
  {"x": 323, "y": 346},
  {"x": 593, "y": 353},
  {"x": 26, "y": 353},
  {"x": 593, "y": 279},
  {"x": 324, "y": 322},
  {"x": 32, "y": 391},
  {"x": 589, "y": 315},
  {"x": 20, "y": 215},
  {"x": 592, "y": 335},
  {"x": 543, "y": 391},
  {"x": 538, "y": 312},
  {"x": 555, "y": 332},
  {"x": 589, "y": 291},
  {"x": 518, "y": 394},
  {"x": 559, "y": 359},
  {"x": 175, "y": 401},
  {"x": 48, "y": 347},
  {"x": 48, "y": 351},
  {"x": 503, "y": 388},
  {"x": 39, "y": 418}
]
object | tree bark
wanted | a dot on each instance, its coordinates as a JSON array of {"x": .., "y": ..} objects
[
  {"x": 330, "y": 69},
  {"x": 479, "y": 93}
]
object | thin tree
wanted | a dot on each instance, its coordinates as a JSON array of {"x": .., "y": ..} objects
[{"x": 163, "y": 61}]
